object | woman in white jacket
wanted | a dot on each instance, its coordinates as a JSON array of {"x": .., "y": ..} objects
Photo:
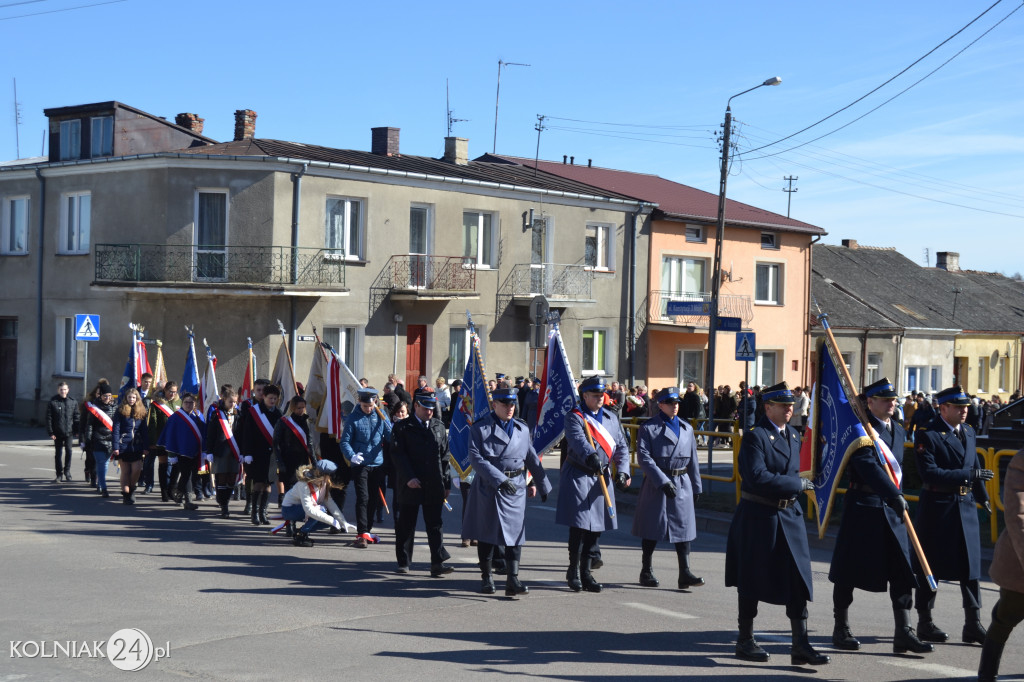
[{"x": 309, "y": 500}]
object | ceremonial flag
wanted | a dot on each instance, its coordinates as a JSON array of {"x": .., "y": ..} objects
[
  {"x": 160, "y": 369},
  {"x": 557, "y": 395},
  {"x": 839, "y": 432},
  {"x": 245, "y": 392},
  {"x": 190, "y": 380},
  {"x": 471, "y": 403},
  {"x": 138, "y": 362},
  {"x": 807, "y": 444},
  {"x": 341, "y": 385},
  {"x": 283, "y": 375},
  {"x": 208, "y": 392},
  {"x": 316, "y": 383}
]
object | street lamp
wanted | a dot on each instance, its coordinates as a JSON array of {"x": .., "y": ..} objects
[{"x": 716, "y": 277}]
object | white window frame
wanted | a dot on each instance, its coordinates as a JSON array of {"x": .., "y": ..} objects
[
  {"x": 7, "y": 226},
  {"x": 701, "y": 236},
  {"x": 106, "y": 144},
  {"x": 848, "y": 361},
  {"x": 349, "y": 343},
  {"x": 770, "y": 240},
  {"x": 918, "y": 372},
  {"x": 457, "y": 371},
  {"x": 70, "y": 139},
  {"x": 681, "y": 353},
  {"x": 780, "y": 275},
  {"x": 605, "y": 256},
  {"x": 1004, "y": 374},
  {"x": 935, "y": 378},
  {"x": 983, "y": 374},
  {"x": 759, "y": 367},
  {"x": 71, "y": 223},
  {"x": 873, "y": 370},
  {"x": 66, "y": 335},
  {"x": 481, "y": 260},
  {"x": 196, "y": 251},
  {"x": 345, "y": 251},
  {"x": 598, "y": 363}
]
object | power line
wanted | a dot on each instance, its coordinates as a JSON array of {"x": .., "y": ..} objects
[
  {"x": 625, "y": 137},
  {"x": 23, "y": 2},
  {"x": 65, "y": 9},
  {"x": 598, "y": 130},
  {"x": 629, "y": 125},
  {"x": 868, "y": 94}
]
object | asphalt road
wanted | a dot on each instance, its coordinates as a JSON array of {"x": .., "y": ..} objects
[{"x": 233, "y": 602}]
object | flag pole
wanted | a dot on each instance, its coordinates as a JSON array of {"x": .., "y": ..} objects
[
  {"x": 284, "y": 339},
  {"x": 866, "y": 423}
]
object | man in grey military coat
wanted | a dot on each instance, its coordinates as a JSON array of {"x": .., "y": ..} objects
[
  {"x": 501, "y": 451},
  {"x": 594, "y": 440},
  {"x": 667, "y": 453}
]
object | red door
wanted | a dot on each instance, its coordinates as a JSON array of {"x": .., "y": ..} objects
[
  {"x": 8, "y": 363},
  {"x": 415, "y": 355}
]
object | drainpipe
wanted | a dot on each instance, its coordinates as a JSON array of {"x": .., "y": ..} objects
[
  {"x": 899, "y": 361},
  {"x": 631, "y": 284},
  {"x": 296, "y": 205},
  {"x": 39, "y": 289},
  {"x": 810, "y": 306},
  {"x": 864, "y": 360}
]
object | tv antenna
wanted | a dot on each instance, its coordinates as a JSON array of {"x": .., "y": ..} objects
[
  {"x": 17, "y": 119},
  {"x": 447, "y": 102},
  {"x": 497, "y": 97}
]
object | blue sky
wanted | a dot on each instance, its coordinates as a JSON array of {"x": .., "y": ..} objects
[{"x": 326, "y": 72}]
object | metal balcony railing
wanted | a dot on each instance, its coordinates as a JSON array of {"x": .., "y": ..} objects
[
  {"x": 180, "y": 263},
  {"x": 729, "y": 305},
  {"x": 555, "y": 281},
  {"x": 430, "y": 274}
]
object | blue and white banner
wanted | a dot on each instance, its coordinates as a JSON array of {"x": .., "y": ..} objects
[
  {"x": 557, "y": 395},
  {"x": 190, "y": 380},
  {"x": 471, "y": 403},
  {"x": 837, "y": 433}
]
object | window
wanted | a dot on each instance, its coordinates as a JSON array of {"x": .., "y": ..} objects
[
  {"x": 70, "y": 353},
  {"x": 690, "y": 367},
  {"x": 14, "y": 225},
  {"x": 767, "y": 288},
  {"x": 479, "y": 239},
  {"x": 211, "y": 235},
  {"x": 344, "y": 229},
  {"x": 769, "y": 240},
  {"x": 70, "y": 140},
  {"x": 594, "y": 351},
  {"x": 848, "y": 361},
  {"x": 1004, "y": 376},
  {"x": 75, "y": 211},
  {"x": 458, "y": 349},
  {"x": 764, "y": 368},
  {"x": 915, "y": 375},
  {"x": 344, "y": 341},
  {"x": 419, "y": 245},
  {"x": 936, "y": 378},
  {"x": 102, "y": 136},
  {"x": 874, "y": 363},
  {"x": 982, "y": 374},
  {"x": 598, "y": 251},
  {"x": 695, "y": 233}
]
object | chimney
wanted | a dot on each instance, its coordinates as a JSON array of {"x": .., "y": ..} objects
[
  {"x": 245, "y": 124},
  {"x": 590, "y": 163},
  {"x": 851, "y": 244},
  {"x": 565, "y": 159},
  {"x": 572, "y": 160},
  {"x": 948, "y": 261},
  {"x": 384, "y": 141},
  {"x": 190, "y": 121},
  {"x": 456, "y": 150}
]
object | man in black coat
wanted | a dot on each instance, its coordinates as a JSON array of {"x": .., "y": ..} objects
[
  {"x": 767, "y": 557},
  {"x": 62, "y": 421},
  {"x": 953, "y": 480},
  {"x": 419, "y": 449},
  {"x": 872, "y": 549}
]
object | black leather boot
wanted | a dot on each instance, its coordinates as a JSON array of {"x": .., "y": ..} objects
[
  {"x": 802, "y": 652},
  {"x": 974, "y": 631},
  {"x": 747, "y": 647},
  {"x": 905, "y": 638},
  {"x": 991, "y": 652},
  {"x": 161, "y": 473},
  {"x": 514, "y": 588},
  {"x": 928, "y": 630},
  {"x": 842, "y": 636},
  {"x": 589, "y": 584},
  {"x": 686, "y": 578},
  {"x": 572, "y": 576},
  {"x": 264, "y": 502},
  {"x": 188, "y": 504},
  {"x": 302, "y": 539},
  {"x": 254, "y": 508},
  {"x": 486, "y": 581}
]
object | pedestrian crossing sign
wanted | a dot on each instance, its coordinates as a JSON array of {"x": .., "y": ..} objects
[
  {"x": 87, "y": 327},
  {"x": 746, "y": 349}
]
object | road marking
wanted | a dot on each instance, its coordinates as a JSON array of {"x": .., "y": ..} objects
[
  {"x": 932, "y": 668},
  {"x": 655, "y": 609},
  {"x": 42, "y": 469},
  {"x": 543, "y": 507}
]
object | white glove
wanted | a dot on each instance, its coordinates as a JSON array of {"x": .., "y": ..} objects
[
  {"x": 172, "y": 460},
  {"x": 247, "y": 459},
  {"x": 357, "y": 459},
  {"x": 337, "y": 524},
  {"x": 208, "y": 457}
]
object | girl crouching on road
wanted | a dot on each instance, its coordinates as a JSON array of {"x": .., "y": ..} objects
[{"x": 308, "y": 500}]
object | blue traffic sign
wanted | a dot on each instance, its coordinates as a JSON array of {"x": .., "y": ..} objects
[
  {"x": 677, "y": 308},
  {"x": 87, "y": 327},
  {"x": 729, "y": 324},
  {"x": 746, "y": 348}
]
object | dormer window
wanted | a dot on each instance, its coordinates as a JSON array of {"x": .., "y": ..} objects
[
  {"x": 102, "y": 136},
  {"x": 70, "y": 140}
]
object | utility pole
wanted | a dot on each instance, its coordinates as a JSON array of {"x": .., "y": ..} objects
[
  {"x": 497, "y": 96},
  {"x": 17, "y": 120},
  {"x": 789, "y": 192},
  {"x": 539, "y": 127}
]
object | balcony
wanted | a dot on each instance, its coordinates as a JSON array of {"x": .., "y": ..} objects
[
  {"x": 729, "y": 305},
  {"x": 254, "y": 269},
  {"x": 560, "y": 284},
  {"x": 415, "y": 277}
]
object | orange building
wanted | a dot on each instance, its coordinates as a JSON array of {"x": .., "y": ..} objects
[{"x": 766, "y": 265}]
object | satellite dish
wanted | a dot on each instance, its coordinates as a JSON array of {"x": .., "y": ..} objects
[{"x": 995, "y": 357}]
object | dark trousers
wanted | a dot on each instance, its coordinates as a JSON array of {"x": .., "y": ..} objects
[
  {"x": 405, "y": 532},
  {"x": 487, "y": 552},
  {"x": 146, "y": 480},
  {"x": 368, "y": 482},
  {"x": 584, "y": 543},
  {"x": 90, "y": 465},
  {"x": 970, "y": 593},
  {"x": 1008, "y": 612},
  {"x": 842, "y": 596},
  {"x": 62, "y": 446},
  {"x": 187, "y": 468}
]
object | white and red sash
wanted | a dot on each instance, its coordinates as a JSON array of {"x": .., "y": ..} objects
[
  {"x": 225, "y": 428},
  {"x": 182, "y": 414},
  {"x": 163, "y": 408},
  {"x": 602, "y": 438},
  {"x": 298, "y": 433},
  {"x": 100, "y": 415},
  {"x": 313, "y": 492},
  {"x": 264, "y": 425}
]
